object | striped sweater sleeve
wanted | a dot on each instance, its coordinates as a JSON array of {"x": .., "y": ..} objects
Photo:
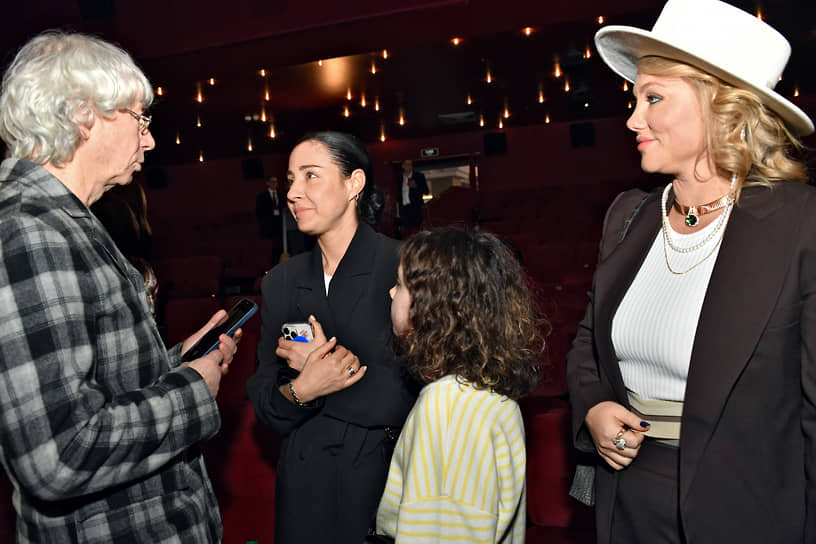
[{"x": 457, "y": 474}]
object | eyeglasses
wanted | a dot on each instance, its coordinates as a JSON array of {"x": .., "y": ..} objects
[{"x": 144, "y": 120}]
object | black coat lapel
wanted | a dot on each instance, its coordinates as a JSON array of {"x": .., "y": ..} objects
[
  {"x": 744, "y": 286},
  {"x": 311, "y": 294},
  {"x": 613, "y": 278},
  {"x": 350, "y": 281},
  {"x": 348, "y": 284}
]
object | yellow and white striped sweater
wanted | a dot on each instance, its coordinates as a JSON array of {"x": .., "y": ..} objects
[{"x": 457, "y": 474}]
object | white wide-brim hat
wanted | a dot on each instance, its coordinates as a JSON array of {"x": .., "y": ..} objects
[{"x": 716, "y": 37}]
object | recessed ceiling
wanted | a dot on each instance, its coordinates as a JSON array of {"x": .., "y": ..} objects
[{"x": 425, "y": 80}]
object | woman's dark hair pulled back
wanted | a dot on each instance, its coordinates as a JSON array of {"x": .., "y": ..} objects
[{"x": 349, "y": 154}]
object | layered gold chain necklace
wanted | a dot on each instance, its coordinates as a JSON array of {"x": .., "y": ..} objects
[{"x": 726, "y": 201}]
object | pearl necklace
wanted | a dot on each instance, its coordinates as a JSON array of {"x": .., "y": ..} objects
[{"x": 722, "y": 222}]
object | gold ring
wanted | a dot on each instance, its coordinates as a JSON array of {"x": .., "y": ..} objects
[{"x": 620, "y": 434}]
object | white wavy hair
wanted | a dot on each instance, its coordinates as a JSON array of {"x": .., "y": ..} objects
[{"x": 59, "y": 81}]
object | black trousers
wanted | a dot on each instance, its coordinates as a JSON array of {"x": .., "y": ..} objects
[{"x": 647, "y": 507}]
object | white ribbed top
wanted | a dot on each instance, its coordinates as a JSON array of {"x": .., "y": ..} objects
[{"x": 654, "y": 327}]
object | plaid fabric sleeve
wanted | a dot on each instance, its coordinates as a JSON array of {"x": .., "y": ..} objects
[
  {"x": 174, "y": 354},
  {"x": 68, "y": 427}
]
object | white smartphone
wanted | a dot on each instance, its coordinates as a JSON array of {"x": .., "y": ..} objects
[{"x": 298, "y": 332}]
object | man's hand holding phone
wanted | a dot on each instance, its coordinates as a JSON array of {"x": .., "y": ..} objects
[{"x": 215, "y": 363}]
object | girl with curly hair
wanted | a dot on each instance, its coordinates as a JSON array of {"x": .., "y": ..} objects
[{"x": 467, "y": 328}]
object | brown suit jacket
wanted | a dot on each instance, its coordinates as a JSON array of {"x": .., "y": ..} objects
[{"x": 748, "y": 441}]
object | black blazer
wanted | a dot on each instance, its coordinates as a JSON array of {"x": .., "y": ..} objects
[
  {"x": 334, "y": 455},
  {"x": 748, "y": 442},
  {"x": 357, "y": 311}
]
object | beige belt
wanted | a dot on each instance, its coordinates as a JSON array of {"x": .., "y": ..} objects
[{"x": 664, "y": 415}]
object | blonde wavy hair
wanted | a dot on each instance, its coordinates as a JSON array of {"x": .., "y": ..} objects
[{"x": 763, "y": 155}]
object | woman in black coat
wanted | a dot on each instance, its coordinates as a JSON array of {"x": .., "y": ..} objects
[{"x": 339, "y": 404}]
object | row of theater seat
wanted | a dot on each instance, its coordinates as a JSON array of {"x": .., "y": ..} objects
[
  {"x": 558, "y": 252},
  {"x": 242, "y": 457}
]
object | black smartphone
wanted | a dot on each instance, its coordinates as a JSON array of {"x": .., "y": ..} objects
[{"x": 237, "y": 316}]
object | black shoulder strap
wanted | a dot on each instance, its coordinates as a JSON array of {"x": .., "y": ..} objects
[{"x": 628, "y": 222}]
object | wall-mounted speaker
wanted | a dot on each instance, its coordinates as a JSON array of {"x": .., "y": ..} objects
[
  {"x": 582, "y": 135},
  {"x": 495, "y": 143}
]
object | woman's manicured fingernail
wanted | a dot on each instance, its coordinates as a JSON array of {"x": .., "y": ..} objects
[{"x": 645, "y": 424}]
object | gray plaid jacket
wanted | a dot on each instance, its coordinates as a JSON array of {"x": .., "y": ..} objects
[{"x": 98, "y": 423}]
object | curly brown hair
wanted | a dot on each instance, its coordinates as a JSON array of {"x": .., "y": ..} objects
[{"x": 472, "y": 312}]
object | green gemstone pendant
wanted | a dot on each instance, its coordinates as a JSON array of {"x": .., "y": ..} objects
[{"x": 691, "y": 219}]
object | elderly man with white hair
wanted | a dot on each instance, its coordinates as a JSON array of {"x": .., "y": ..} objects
[{"x": 99, "y": 422}]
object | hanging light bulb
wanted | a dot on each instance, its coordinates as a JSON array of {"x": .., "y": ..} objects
[
  {"x": 160, "y": 91},
  {"x": 346, "y": 111},
  {"x": 629, "y": 105},
  {"x": 557, "y": 69},
  {"x": 262, "y": 72},
  {"x": 540, "y": 96},
  {"x": 266, "y": 94},
  {"x": 456, "y": 41},
  {"x": 211, "y": 81},
  {"x": 320, "y": 62},
  {"x": 198, "y": 120},
  {"x": 600, "y": 19},
  {"x": 469, "y": 100},
  {"x": 506, "y": 111},
  {"x": 759, "y": 15},
  {"x": 199, "y": 97},
  {"x": 382, "y": 132},
  {"x": 178, "y": 138},
  {"x": 481, "y": 120},
  {"x": 402, "y": 117},
  {"x": 587, "y": 53},
  {"x": 263, "y": 114},
  {"x": 489, "y": 76},
  {"x": 385, "y": 53},
  {"x": 373, "y": 67},
  {"x": 377, "y": 104},
  {"x": 362, "y": 100},
  {"x": 249, "y": 145},
  {"x": 547, "y": 119},
  {"x": 527, "y": 30},
  {"x": 796, "y": 92},
  {"x": 625, "y": 85},
  {"x": 272, "y": 133},
  {"x": 501, "y": 124},
  {"x": 566, "y": 85},
  {"x": 348, "y": 94},
  {"x": 201, "y": 156}
]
